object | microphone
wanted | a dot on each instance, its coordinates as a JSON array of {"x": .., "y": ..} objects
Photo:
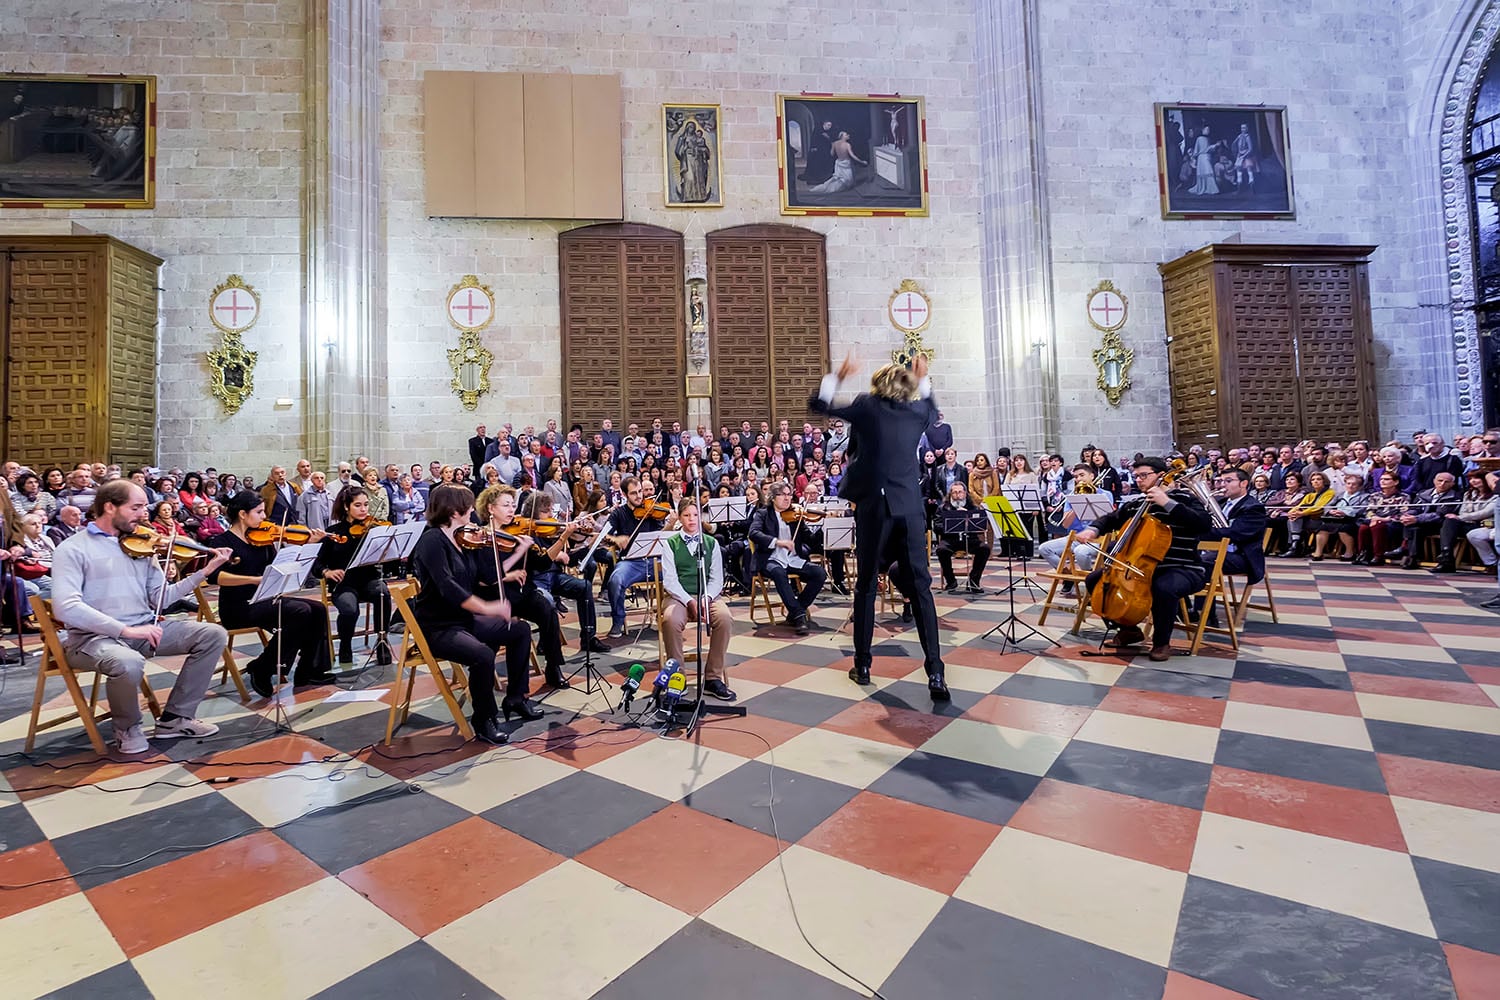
[
  {"x": 632, "y": 683},
  {"x": 659, "y": 686},
  {"x": 675, "y": 687}
]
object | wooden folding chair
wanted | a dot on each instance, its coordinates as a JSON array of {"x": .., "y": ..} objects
[
  {"x": 369, "y": 613},
  {"x": 416, "y": 652},
  {"x": 206, "y": 613},
  {"x": 1067, "y": 572},
  {"x": 55, "y": 664},
  {"x": 1212, "y": 591},
  {"x": 1241, "y": 602}
]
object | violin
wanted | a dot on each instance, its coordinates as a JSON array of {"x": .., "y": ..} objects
[
  {"x": 474, "y": 536},
  {"x": 798, "y": 514},
  {"x": 541, "y": 528},
  {"x": 652, "y": 508},
  {"x": 269, "y": 533},
  {"x": 143, "y": 543},
  {"x": 358, "y": 528}
]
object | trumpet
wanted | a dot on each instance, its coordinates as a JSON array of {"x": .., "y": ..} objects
[{"x": 1197, "y": 484}]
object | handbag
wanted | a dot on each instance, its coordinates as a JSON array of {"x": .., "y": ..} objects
[{"x": 30, "y": 569}]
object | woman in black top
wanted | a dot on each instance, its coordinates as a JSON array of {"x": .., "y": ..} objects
[
  {"x": 303, "y": 623},
  {"x": 497, "y": 509},
  {"x": 462, "y": 626},
  {"x": 348, "y": 587},
  {"x": 1105, "y": 476}
]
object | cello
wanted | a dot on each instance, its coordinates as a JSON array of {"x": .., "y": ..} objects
[{"x": 1123, "y": 593}]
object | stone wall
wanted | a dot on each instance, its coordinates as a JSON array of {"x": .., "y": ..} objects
[
  {"x": 227, "y": 198},
  {"x": 715, "y": 52}
]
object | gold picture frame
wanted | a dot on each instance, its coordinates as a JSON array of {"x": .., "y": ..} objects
[
  {"x": 233, "y": 372},
  {"x": 106, "y": 122},
  {"x": 471, "y": 362},
  {"x": 690, "y": 132},
  {"x": 1113, "y": 360},
  {"x": 886, "y": 173}
]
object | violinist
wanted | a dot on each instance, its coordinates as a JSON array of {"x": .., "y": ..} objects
[
  {"x": 547, "y": 562},
  {"x": 108, "y": 601},
  {"x": 462, "y": 626},
  {"x": 837, "y": 559},
  {"x": 303, "y": 633},
  {"x": 348, "y": 588},
  {"x": 960, "y": 528},
  {"x": 514, "y": 580},
  {"x": 1179, "y": 573},
  {"x": 780, "y": 552},
  {"x": 630, "y": 520}
]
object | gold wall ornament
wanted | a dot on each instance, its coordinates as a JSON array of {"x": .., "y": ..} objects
[
  {"x": 234, "y": 306},
  {"x": 471, "y": 306},
  {"x": 233, "y": 370},
  {"x": 1107, "y": 307},
  {"x": 1113, "y": 360},
  {"x": 910, "y": 308},
  {"x": 909, "y": 350},
  {"x": 471, "y": 362}
]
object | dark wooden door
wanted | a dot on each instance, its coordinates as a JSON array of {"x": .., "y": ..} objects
[
  {"x": 51, "y": 371},
  {"x": 1265, "y": 401}
]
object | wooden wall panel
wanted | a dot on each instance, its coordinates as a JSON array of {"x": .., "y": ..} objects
[
  {"x": 498, "y": 165},
  {"x": 132, "y": 357},
  {"x": 1332, "y": 356},
  {"x": 1265, "y": 399},
  {"x": 768, "y": 296},
  {"x": 549, "y": 145},
  {"x": 598, "y": 169},
  {"x": 52, "y": 367},
  {"x": 622, "y": 325},
  {"x": 448, "y": 143},
  {"x": 1192, "y": 356}
]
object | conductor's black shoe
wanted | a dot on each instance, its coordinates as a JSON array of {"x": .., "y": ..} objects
[
  {"x": 906, "y": 615},
  {"x": 859, "y": 675},
  {"x": 938, "y": 688},
  {"x": 489, "y": 730},
  {"x": 593, "y": 645},
  {"x": 719, "y": 690}
]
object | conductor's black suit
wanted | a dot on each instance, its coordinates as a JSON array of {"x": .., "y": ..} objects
[{"x": 882, "y": 482}]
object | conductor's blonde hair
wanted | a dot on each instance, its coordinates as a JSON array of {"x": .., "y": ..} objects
[{"x": 894, "y": 382}]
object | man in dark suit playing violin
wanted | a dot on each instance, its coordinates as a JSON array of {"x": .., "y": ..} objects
[
  {"x": 779, "y": 552},
  {"x": 1179, "y": 573},
  {"x": 882, "y": 482}
]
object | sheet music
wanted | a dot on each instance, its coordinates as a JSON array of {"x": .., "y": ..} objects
[
  {"x": 648, "y": 544},
  {"x": 387, "y": 544},
  {"x": 286, "y": 572},
  {"x": 1089, "y": 507},
  {"x": 838, "y": 533},
  {"x": 1026, "y": 498},
  {"x": 726, "y": 510},
  {"x": 1005, "y": 519}
]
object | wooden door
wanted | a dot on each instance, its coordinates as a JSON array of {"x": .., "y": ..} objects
[
  {"x": 52, "y": 372},
  {"x": 1333, "y": 353},
  {"x": 1192, "y": 356},
  {"x": 768, "y": 296},
  {"x": 623, "y": 355},
  {"x": 1265, "y": 401}
]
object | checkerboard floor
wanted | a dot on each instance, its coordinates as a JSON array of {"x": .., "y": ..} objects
[{"x": 1317, "y": 816}]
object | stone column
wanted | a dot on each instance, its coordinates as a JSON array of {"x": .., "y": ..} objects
[
  {"x": 1020, "y": 349},
  {"x": 344, "y": 340}
]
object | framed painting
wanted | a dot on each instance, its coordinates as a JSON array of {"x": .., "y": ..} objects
[
  {"x": 77, "y": 141},
  {"x": 691, "y": 140},
  {"x": 852, "y": 155},
  {"x": 1224, "y": 161}
]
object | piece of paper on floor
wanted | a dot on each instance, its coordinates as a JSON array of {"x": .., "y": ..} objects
[{"x": 364, "y": 694}]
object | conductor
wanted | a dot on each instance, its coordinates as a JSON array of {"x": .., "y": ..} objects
[{"x": 881, "y": 481}]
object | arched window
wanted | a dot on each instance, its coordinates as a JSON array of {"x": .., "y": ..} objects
[{"x": 1483, "y": 162}]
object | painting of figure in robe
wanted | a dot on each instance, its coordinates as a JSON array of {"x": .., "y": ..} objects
[
  {"x": 691, "y": 160},
  {"x": 1223, "y": 161}
]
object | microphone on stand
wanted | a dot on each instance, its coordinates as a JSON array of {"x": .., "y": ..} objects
[
  {"x": 632, "y": 683},
  {"x": 663, "y": 677},
  {"x": 676, "y": 685}
]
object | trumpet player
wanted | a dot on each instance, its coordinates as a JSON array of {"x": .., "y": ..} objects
[{"x": 1245, "y": 527}]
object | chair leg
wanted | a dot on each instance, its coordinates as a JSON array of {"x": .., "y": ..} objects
[{"x": 1047, "y": 603}]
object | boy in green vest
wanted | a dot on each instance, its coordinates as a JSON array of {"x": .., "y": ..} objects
[{"x": 680, "y": 582}]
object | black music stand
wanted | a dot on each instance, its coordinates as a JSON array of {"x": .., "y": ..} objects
[
  {"x": 593, "y": 680},
  {"x": 1007, "y": 523},
  {"x": 281, "y": 579},
  {"x": 1020, "y": 500},
  {"x": 381, "y": 545}
]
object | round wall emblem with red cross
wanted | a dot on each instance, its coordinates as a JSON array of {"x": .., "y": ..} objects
[
  {"x": 233, "y": 306},
  {"x": 910, "y": 310},
  {"x": 1107, "y": 308},
  {"x": 471, "y": 306}
]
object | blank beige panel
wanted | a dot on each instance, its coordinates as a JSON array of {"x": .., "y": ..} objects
[
  {"x": 598, "y": 189},
  {"x": 499, "y": 144},
  {"x": 448, "y": 143},
  {"x": 549, "y": 146}
]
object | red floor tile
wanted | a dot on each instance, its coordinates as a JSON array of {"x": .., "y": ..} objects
[
  {"x": 1161, "y": 705},
  {"x": 1180, "y": 987},
  {"x": 1131, "y": 827},
  {"x": 1476, "y": 974},
  {"x": 1416, "y": 687},
  {"x": 719, "y": 854},
  {"x": 987, "y": 658},
  {"x": 33, "y": 781},
  {"x": 1326, "y": 700},
  {"x": 1309, "y": 806},
  {"x": 739, "y": 736},
  {"x": 1481, "y": 675},
  {"x": 1032, "y": 716},
  {"x": 764, "y": 670},
  {"x": 901, "y": 727},
  {"x": 586, "y": 741},
  {"x": 911, "y": 842},
  {"x": 37, "y": 863},
  {"x": 1263, "y": 634},
  {"x": 1394, "y": 637},
  {"x": 246, "y": 762},
  {"x": 431, "y": 882},
  {"x": 162, "y": 904},
  {"x": 1433, "y": 781}
]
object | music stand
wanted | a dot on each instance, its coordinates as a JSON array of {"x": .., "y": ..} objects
[
  {"x": 726, "y": 510},
  {"x": 282, "y": 578},
  {"x": 591, "y": 675},
  {"x": 1006, "y": 508},
  {"x": 1012, "y": 629},
  {"x": 384, "y": 544}
]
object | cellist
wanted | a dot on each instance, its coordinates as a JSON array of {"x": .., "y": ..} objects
[{"x": 1179, "y": 573}]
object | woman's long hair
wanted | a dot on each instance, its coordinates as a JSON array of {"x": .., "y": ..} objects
[{"x": 897, "y": 383}]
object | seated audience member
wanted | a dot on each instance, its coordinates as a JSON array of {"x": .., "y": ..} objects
[
  {"x": 1341, "y": 517},
  {"x": 1302, "y": 518},
  {"x": 1436, "y": 459},
  {"x": 961, "y": 527},
  {"x": 1282, "y": 503},
  {"x": 29, "y": 496},
  {"x": 693, "y": 592},
  {"x": 1260, "y": 487},
  {"x": 779, "y": 553},
  {"x": 1381, "y": 524},
  {"x": 1393, "y": 460},
  {"x": 37, "y": 549},
  {"x": 1478, "y": 506},
  {"x": 1424, "y": 518},
  {"x": 69, "y": 523},
  {"x": 109, "y": 600}
]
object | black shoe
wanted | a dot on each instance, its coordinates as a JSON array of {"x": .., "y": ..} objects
[
  {"x": 489, "y": 730},
  {"x": 1445, "y": 566},
  {"x": 799, "y": 624},
  {"x": 1363, "y": 559},
  {"x": 1493, "y": 604},
  {"x": 1410, "y": 562},
  {"x": 719, "y": 690},
  {"x": 593, "y": 645},
  {"x": 346, "y": 654},
  {"x": 859, "y": 675},
  {"x": 9, "y": 658},
  {"x": 522, "y": 709},
  {"x": 906, "y": 616},
  {"x": 973, "y": 588},
  {"x": 555, "y": 679},
  {"x": 938, "y": 687},
  {"x": 950, "y": 586},
  {"x": 1129, "y": 635},
  {"x": 1394, "y": 553},
  {"x": 314, "y": 680},
  {"x": 262, "y": 671},
  {"x": 383, "y": 654}
]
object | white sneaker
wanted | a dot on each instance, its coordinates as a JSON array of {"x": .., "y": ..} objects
[
  {"x": 133, "y": 740},
  {"x": 196, "y": 728}
]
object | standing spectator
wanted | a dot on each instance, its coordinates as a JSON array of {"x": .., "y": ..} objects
[{"x": 315, "y": 504}]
